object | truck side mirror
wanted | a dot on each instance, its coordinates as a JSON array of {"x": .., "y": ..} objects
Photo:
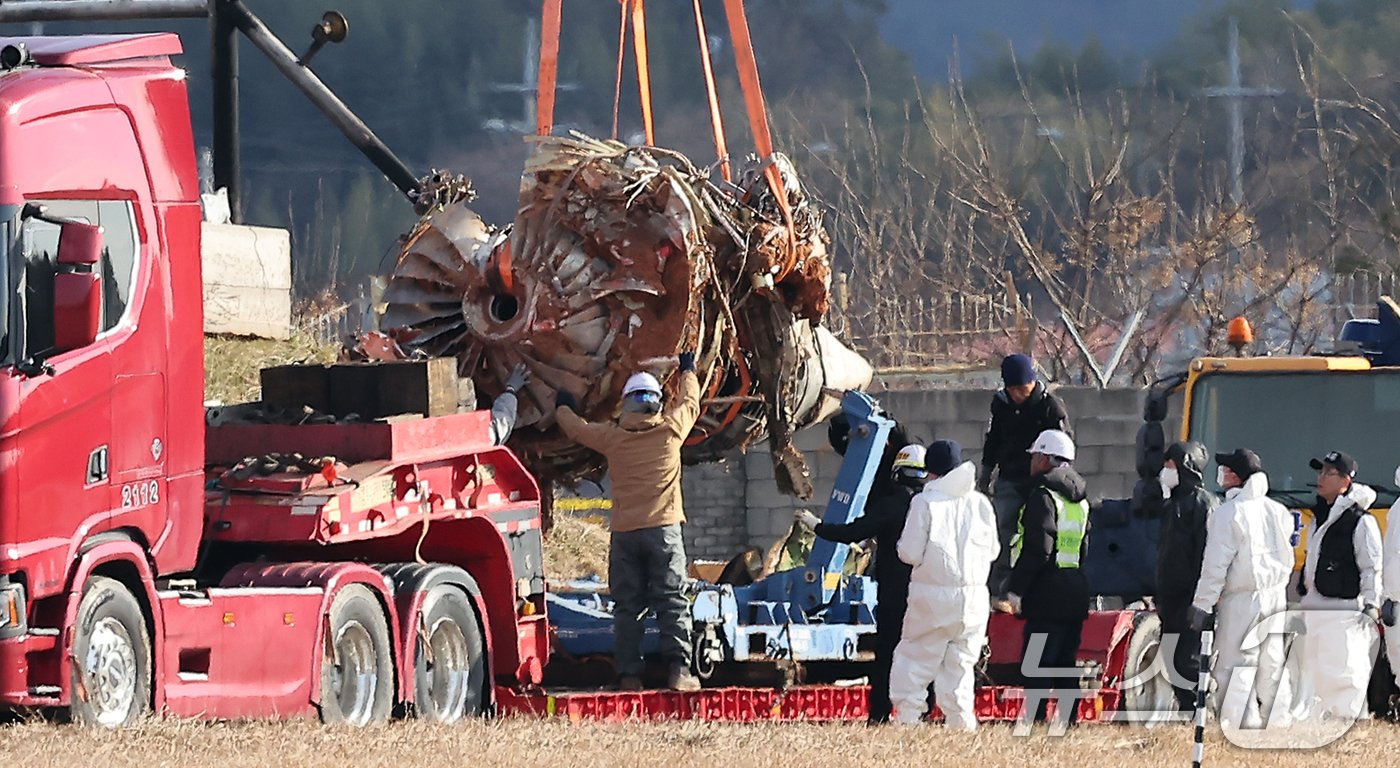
[{"x": 77, "y": 286}]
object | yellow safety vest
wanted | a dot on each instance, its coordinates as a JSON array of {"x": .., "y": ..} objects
[{"x": 1071, "y": 522}]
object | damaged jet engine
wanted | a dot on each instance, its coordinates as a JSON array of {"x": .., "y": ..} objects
[{"x": 619, "y": 257}]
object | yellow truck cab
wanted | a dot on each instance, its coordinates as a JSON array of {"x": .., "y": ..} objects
[{"x": 1291, "y": 409}]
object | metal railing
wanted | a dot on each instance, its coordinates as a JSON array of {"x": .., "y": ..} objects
[{"x": 932, "y": 330}]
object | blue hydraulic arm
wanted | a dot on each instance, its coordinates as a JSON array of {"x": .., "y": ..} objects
[{"x": 870, "y": 431}]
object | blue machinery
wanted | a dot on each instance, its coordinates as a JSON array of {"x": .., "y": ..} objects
[{"x": 809, "y": 613}]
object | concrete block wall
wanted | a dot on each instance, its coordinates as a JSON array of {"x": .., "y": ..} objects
[
  {"x": 714, "y": 503},
  {"x": 736, "y": 503}
]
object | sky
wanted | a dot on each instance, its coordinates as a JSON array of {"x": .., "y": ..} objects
[{"x": 926, "y": 29}]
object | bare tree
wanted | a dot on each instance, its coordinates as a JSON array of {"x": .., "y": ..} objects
[{"x": 971, "y": 226}]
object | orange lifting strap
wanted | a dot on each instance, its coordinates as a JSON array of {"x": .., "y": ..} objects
[
  {"x": 748, "y": 80},
  {"x": 758, "y": 118},
  {"x": 621, "y": 54},
  {"x": 636, "y": 12},
  {"x": 549, "y": 65},
  {"x": 639, "y": 45},
  {"x": 716, "y": 121}
]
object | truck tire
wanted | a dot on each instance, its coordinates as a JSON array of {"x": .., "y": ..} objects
[
  {"x": 1146, "y": 696},
  {"x": 111, "y": 667},
  {"x": 449, "y": 665},
  {"x": 357, "y": 672}
]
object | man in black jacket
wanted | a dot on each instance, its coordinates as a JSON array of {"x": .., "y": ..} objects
[
  {"x": 1020, "y": 412},
  {"x": 1180, "y": 548},
  {"x": 1047, "y": 587},
  {"x": 901, "y": 475}
]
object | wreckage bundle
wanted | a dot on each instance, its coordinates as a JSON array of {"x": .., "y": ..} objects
[{"x": 619, "y": 257}]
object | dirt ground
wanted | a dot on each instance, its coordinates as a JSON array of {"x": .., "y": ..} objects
[{"x": 521, "y": 742}]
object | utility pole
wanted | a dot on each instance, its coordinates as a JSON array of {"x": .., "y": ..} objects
[
  {"x": 1234, "y": 94},
  {"x": 528, "y": 87}
]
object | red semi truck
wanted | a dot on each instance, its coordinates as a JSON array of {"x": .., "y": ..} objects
[{"x": 136, "y": 571}]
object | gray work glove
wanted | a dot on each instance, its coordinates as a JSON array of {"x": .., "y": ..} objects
[
  {"x": 807, "y": 519},
  {"x": 1200, "y": 619},
  {"x": 517, "y": 379},
  {"x": 1388, "y": 613},
  {"x": 1372, "y": 612}
]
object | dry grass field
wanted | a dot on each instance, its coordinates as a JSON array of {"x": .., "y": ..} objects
[
  {"x": 231, "y": 363},
  {"x": 520, "y": 742}
]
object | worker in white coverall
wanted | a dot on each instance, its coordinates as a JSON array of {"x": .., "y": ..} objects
[
  {"x": 1390, "y": 585},
  {"x": 1244, "y": 580},
  {"x": 1340, "y": 592},
  {"x": 950, "y": 540}
]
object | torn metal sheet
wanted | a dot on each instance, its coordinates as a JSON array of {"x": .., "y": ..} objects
[{"x": 620, "y": 257}]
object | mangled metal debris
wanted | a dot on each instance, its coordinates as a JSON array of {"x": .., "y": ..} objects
[{"x": 619, "y": 257}]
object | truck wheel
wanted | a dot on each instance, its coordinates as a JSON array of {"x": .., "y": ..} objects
[
  {"x": 357, "y": 673},
  {"x": 449, "y": 668},
  {"x": 111, "y": 657},
  {"x": 1147, "y": 695}
]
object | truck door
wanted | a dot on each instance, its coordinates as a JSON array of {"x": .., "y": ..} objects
[
  {"x": 98, "y": 417},
  {"x": 65, "y": 412},
  {"x": 138, "y": 438}
]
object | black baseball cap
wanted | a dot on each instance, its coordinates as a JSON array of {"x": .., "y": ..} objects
[
  {"x": 1342, "y": 462},
  {"x": 1242, "y": 461}
]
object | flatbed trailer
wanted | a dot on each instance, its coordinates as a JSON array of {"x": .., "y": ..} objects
[{"x": 1105, "y": 658}]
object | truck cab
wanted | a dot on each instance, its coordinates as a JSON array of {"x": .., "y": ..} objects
[{"x": 102, "y": 385}]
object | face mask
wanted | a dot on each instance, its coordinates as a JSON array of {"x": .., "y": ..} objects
[
  {"x": 1220, "y": 476},
  {"x": 1169, "y": 479}
]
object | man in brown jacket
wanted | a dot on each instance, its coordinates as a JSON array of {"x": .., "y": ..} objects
[{"x": 646, "y": 560}]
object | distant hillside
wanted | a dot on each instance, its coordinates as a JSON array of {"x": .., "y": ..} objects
[{"x": 926, "y": 29}]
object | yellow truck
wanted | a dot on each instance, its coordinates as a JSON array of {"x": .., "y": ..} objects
[
  {"x": 1291, "y": 409},
  {"x": 1288, "y": 410}
]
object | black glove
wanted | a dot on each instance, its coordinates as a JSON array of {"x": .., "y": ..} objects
[
  {"x": 1388, "y": 613},
  {"x": 687, "y": 361},
  {"x": 1200, "y": 619},
  {"x": 984, "y": 483},
  {"x": 565, "y": 399}
]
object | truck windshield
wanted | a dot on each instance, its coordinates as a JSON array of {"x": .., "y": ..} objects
[{"x": 1288, "y": 418}]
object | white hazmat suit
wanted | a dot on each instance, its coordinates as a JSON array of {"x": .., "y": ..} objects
[
  {"x": 950, "y": 539},
  {"x": 1390, "y": 581},
  {"x": 1339, "y": 642},
  {"x": 1244, "y": 578}
]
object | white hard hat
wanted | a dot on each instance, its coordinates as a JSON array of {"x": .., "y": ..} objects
[
  {"x": 641, "y": 382},
  {"x": 910, "y": 457},
  {"x": 1053, "y": 442}
]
